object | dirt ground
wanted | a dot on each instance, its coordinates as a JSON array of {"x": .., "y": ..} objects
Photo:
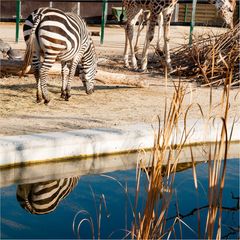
[{"x": 110, "y": 105}]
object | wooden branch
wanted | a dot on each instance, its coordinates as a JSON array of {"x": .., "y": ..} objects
[
  {"x": 14, "y": 67},
  {"x": 118, "y": 78}
]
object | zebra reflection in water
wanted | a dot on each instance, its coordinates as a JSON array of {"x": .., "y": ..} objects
[{"x": 44, "y": 197}]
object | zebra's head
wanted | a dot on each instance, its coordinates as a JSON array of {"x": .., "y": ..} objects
[
  {"x": 226, "y": 9},
  {"x": 24, "y": 197},
  {"x": 88, "y": 78},
  {"x": 89, "y": 86}
]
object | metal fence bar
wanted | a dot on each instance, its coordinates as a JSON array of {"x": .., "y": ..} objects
[
  {"x": 18, "y": 14},
  {"x": 104, "y": 19},
  {"x": 194, "y": 5}
]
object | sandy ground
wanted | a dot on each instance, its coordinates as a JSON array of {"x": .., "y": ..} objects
[{"x": 108, "y": 106}]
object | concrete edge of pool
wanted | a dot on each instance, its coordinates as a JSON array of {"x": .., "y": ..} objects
[{"x": 44, "y": 147}]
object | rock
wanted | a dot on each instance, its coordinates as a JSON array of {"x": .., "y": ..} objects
[
  {"x": 4, "y": 47},
  {"x": 14, "y": 54}
]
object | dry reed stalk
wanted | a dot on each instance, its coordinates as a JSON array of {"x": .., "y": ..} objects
[
  {"x": 208, "y": 58},
  {"x": 152, "y": 223},
  {"x": 216, "y": 176}
]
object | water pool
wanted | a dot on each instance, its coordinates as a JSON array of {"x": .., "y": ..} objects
[{"x": 90, "y": 189}]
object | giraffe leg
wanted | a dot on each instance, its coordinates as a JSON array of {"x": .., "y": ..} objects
[
  {"x": 149, "y": 38},
  {"x": 65, "y": 73},
  {"x": 129, "y": 33},
  {"x": 140, "y": 28},
  {"x": 166, "y": 32},
  {"x": 143, "y": 20},
  {"x": 160, "y": 33},
  {"x": 126, "y": 63}
]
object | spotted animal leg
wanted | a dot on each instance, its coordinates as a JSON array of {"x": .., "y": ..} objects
[
  {"x": 149, "y": 38},
  {"x": 166, "y": 34}
]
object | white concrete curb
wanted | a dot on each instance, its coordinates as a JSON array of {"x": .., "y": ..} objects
[{"x": 87, "y": 142}]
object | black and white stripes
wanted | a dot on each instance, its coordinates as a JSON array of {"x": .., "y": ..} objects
[
  {"x": 44, "y": 197},
  {"x": 52, "y": 35}
]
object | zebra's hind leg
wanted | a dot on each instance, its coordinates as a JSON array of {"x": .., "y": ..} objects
[
  {"x": 48, "y": 62},
  {"x": 43, "y": 81},
  {"x": 65, "y": 73},
  {"x": 36, "y": 65},
  {"x": 72, "y": 71}
]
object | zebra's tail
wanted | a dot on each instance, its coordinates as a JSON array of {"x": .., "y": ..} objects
[{"x": 30, "y": 46}]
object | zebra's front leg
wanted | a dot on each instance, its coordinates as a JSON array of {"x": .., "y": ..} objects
[{"x": 65, "y": 73}]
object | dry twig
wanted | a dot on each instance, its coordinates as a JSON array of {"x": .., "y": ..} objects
[{"x": 210, "y": 59}]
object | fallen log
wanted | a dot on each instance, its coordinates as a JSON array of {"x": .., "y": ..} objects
[{"x": 14, "y": 67}]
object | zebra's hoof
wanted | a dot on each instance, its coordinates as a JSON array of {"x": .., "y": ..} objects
[
  {"x": 142, "y": 70},
  {"x": 135, "y": 70},
  {"x": 38, "y": 100},
  {"x": 63, "y": 95},
  {"x": 88, "y": 92}
]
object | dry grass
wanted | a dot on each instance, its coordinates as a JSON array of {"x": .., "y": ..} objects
[
  {"x": 152, "y": 224},
  {"x": 209, "y": 59},
  {"x": 216, "y": 174}
]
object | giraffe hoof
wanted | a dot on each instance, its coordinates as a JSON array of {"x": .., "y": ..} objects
[
  {"x": 63, "y": 95},
  {"x": 46, "y": 101},
  {"x": 159, "y": 52},
  {"x": 67, "y": 97},
  {"x": 39, "y": 100}
]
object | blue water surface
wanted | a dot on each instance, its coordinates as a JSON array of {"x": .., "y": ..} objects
[{"x": 117, "y": 217}]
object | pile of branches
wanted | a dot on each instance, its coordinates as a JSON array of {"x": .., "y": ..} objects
[{"x": 210, "y": 60}]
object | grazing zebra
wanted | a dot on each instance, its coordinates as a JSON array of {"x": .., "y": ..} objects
[
  {"x": 51, "y": 35},
  {"x": 44, "y": 197}
]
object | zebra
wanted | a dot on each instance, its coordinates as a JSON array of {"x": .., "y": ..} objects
[
  {"x": 44, "y": 197},
  {"x": 51, "y": 35}
]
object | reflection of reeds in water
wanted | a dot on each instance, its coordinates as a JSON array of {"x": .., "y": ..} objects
[{"x": 152, "y": 222}]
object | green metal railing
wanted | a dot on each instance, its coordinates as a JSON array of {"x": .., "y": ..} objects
[
  {"x": 194, "y": 5},
  {"x": 104, "y": 19},
  {"x": 18, "y": 15}
]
